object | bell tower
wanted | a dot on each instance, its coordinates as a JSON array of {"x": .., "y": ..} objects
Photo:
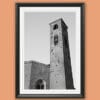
[{"x": 60, "y": 62}]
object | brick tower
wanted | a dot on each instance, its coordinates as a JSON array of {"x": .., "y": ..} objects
[{"x": 60, "y": 62}]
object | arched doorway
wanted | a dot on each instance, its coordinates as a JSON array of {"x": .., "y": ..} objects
[{"x": 40, "y": 84}]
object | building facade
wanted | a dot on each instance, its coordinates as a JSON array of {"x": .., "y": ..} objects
[
  {"x": 57, "y": 75},
  {"x": 36, "y": 75}
]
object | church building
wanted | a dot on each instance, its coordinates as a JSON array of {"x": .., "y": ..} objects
[{"x": 58, "y": 74}]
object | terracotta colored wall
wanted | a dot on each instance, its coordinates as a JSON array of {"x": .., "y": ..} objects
[{"x": 7, "y": 49}]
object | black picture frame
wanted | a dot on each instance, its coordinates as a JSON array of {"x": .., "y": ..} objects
[{"x": 17, "y": 50}]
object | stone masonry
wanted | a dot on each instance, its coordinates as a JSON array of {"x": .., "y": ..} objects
[{"x": 57, "y": 75}]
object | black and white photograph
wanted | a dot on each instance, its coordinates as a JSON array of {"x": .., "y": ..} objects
[{"x": 50, "y": 50}]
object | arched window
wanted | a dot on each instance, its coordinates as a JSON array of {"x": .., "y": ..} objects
[
  {"x": 55, "y": 27},
  {"x": 56, "y": 39},
  {"x": 40, "y": 84},
  {"x": 66, "y": 42}
]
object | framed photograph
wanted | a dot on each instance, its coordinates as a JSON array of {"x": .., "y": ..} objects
[{"x": 50, "y": 50}]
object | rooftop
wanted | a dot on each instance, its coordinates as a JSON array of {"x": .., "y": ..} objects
[{"x": 60, "y": 19}]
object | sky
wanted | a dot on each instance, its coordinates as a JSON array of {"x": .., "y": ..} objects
[{"x": 37, "y": 34}]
